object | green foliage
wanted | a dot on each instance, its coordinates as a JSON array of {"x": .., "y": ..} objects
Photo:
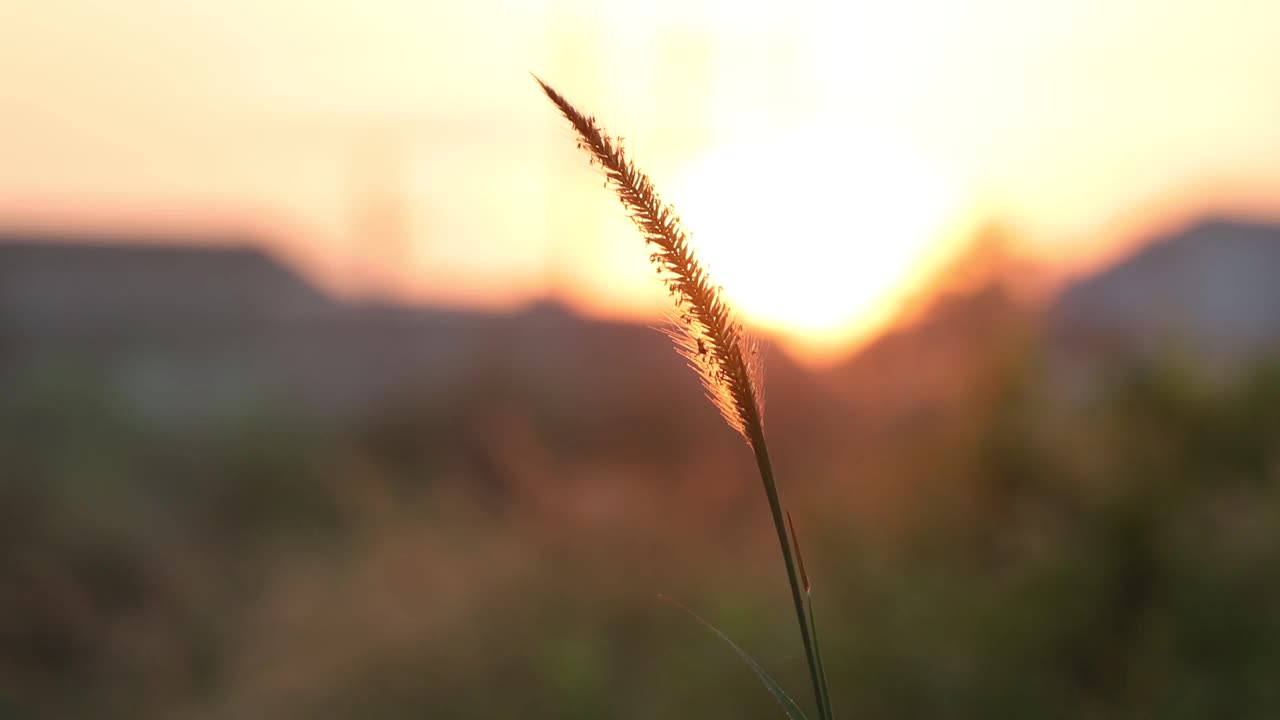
[{"x": 1114, "y": 561}]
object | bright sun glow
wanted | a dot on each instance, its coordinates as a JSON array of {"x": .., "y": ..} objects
[{"x": 818, "y": 234}]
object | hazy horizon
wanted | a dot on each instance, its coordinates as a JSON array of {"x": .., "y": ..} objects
[{"x": 402, "y": 148}]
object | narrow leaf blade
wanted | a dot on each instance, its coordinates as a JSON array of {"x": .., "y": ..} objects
[{"x": 789, "y": 706}]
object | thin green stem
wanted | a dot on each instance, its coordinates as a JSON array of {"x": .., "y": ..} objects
[
  {"x": 788, "y": 558},
  {"x": 709, "y": 336},
  {"x": 825, "y": 710}
]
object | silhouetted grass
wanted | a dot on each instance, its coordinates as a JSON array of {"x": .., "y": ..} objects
[{"x": 708, "y": 334}]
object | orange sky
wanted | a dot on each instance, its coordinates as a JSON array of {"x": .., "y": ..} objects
[{"x": 399, "y": 145}]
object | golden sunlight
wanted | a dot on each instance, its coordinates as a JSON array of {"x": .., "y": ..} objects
[{"x": 818, "y": 235}]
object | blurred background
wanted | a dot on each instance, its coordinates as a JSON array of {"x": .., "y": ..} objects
[{"x": 329, "y": 388}]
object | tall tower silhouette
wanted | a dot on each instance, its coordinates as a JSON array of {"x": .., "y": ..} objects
[
  {"x": 577, "y": 52},
  {"x": 381, "y": 225}
]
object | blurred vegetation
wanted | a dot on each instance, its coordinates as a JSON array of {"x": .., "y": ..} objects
[{"x": 1114, "y": 557}]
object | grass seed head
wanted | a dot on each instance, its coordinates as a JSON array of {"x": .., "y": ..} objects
[{"x": 705, "y": 330}]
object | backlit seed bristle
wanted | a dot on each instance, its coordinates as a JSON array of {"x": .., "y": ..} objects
[{"x": 705, "y": 329}]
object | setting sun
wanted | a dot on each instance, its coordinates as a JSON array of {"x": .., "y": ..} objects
[{"x": 818, "y": 233}]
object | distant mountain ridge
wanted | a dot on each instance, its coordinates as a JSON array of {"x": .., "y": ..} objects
[
  {"x": 203, "y": 331},
  {"x": 192, "y": 331},
  {"x": 1209, "y": 292}
]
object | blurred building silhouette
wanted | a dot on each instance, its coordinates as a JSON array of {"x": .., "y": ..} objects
[
  {"x": 189, "y": 328},
  {"x": 66, "y": 285}
]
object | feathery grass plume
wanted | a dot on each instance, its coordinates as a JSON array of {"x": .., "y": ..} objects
[{"x": 707, "y": 333}]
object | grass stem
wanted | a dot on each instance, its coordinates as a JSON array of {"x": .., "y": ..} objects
[
  {"x": 788, "y": 557},
  {"x": 707, "y": 333}
]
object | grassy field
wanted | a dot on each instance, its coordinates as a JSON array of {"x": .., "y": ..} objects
[{"x": 984, "y": 542}]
